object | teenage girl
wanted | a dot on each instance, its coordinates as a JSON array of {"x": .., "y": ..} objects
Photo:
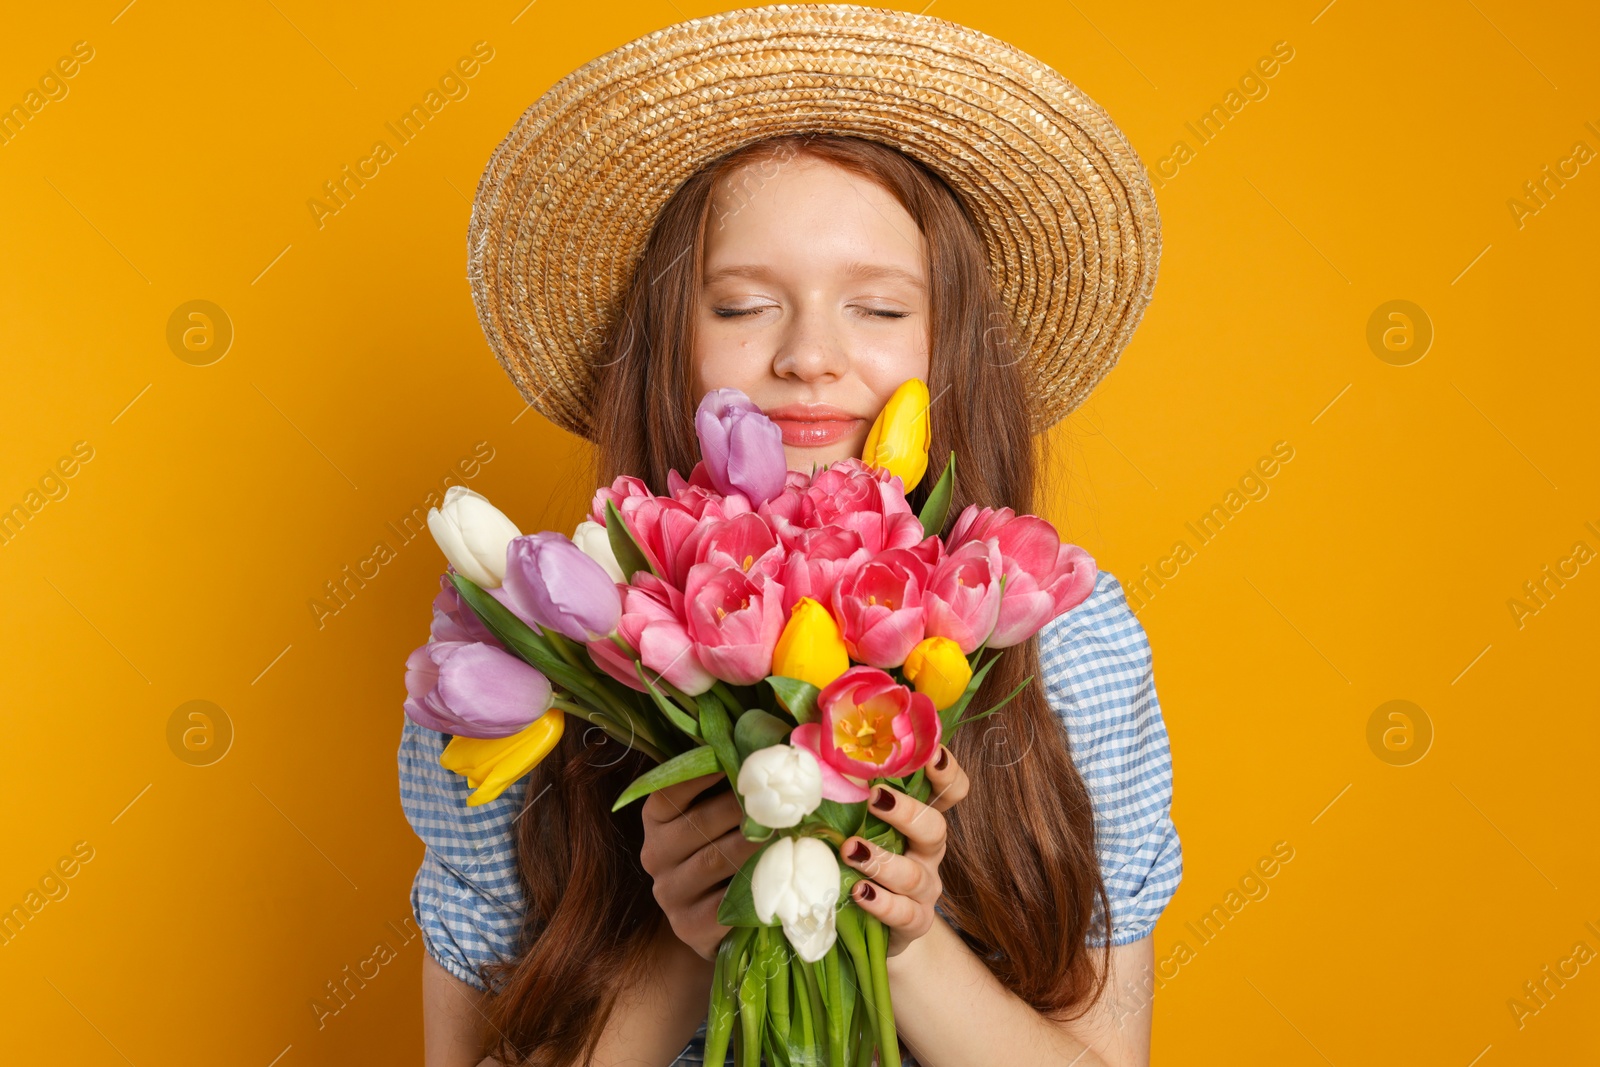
[{"x": 820, "y": 273}]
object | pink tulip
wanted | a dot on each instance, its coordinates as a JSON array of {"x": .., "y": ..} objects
[
  {"x": 963, "y": 596},
  {"x": 654, "y": 623},
  {"x": 661, "y": 526},
  {"x": 879, "y": 607},
  {"x": 742, "y": 448},
  {"x": 787, "y": 514},
  {"x": 818, "y": 561},
  {"x": 734, "y": 620},
  {"x": 978, "y": 524},
  {"x": 929, "y": 550},
  {"x": 1044, "y": 577},
  {"x": 615, "y": 662},
  {"x": 622, "y": 488},
  {"x": 698, "y": 493},
  {"x": 868, "y": 726},
  {"x": 473, "y": 690},
  {"x": 744, "y": 542},
  {"x": 852, "y": 496},
  {"x": 552, "y": 584},
  {"x": 669, "y": 531}
]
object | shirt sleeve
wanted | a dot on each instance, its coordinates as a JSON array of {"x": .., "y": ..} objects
[
  {"x": 466, "y": 897},
  {"x": 1096, "y": 665}
]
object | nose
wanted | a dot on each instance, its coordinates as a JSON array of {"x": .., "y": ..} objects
[{"x": 810, "y": 350}]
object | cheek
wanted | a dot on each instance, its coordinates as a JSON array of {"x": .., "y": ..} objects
[
  {"x": 723, "y": 364},
  {"x": 883, "y": 366}
]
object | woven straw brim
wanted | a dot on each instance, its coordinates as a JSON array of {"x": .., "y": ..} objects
[{"x": 1063, "y": 205}]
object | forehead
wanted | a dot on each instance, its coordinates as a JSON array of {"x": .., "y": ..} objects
[{"x": 805, "y": 210}]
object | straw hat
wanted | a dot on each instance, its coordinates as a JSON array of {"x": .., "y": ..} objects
[{"x": 563, "y": 210}]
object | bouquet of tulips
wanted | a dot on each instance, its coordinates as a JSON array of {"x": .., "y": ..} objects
[{"x": 806, "y": 635}]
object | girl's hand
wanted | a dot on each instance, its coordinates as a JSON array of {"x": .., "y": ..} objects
[
  {"x": 692, "y": 847},
  {"x": 902, "y": 890}
]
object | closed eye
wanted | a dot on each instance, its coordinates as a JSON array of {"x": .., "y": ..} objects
[{"x": 733, "y": 313}]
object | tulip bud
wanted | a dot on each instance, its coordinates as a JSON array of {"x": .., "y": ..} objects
[
  {"x": 900, "y": 435},
  {"x": 937, "y": 667},
  {"x": 473, "y": 689},
  {"x": 591, "y": 537},
  {"x": 780, "y": 784},
  {"x": 741, "y": 448},
  {"x": 473, "y": 534},
  {"x": 796, "y": 881},
  {"x": 553, "y": 584},
  {"x": 490, "y": 765},
  {"x": 810, "y": 647}
]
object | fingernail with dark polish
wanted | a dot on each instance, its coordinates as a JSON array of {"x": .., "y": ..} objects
[
  {"x": 867, "y": 892},
  {"x": 859, "y": 852},
  {"x": 943, "y": 760},
  {"x": 884, "y": 801}
]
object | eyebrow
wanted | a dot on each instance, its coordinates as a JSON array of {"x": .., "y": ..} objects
[{"x": 853, "y": 269}]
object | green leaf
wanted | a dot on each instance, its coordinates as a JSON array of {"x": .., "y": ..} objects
[
  {"x": 948, "y": 717},
  {"x": 754, "y": 831},
  {"x": 890, "y": 839},
  {"x": 630, "y": 557},
  {"x": 937, "y": 506},
  {"x": 919, "y": 788},
  {"x": 738, "y": 907},
  {"x": 718, "y": 733},
  {"x": 676, "y": 715},
  {"x": 799, "y": 698},
  {"x": 756, "y": 729},
  {"x": 997, "y": 707},
  {"x": 848, "y": 877},
  {"x": 845, "y": 818},
  {"x": 523, "y": 641},
  {"x": 680, "y": 768}
]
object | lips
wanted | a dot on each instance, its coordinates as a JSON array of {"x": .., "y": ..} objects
[{"x": 813, "y": 425}]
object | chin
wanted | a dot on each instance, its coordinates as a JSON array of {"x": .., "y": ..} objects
[{"x": 802, "y": 459}]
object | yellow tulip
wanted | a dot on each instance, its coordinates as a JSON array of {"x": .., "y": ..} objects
[
  {"x": 490, "y": 764},
  {"x": 937, "y": 667},
  {"x": 810, "y": 647},
  {"x": 900, "y": 435}
]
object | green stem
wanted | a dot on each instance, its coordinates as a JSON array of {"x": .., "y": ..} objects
[
  {"x": 753, "y": 1001},
  {"x": 729, "y": 701},
  {"x": 837, "y": 1040},
  {"x": 806, "y": 1025},
  {"x": 601, "y": 687},
  {"x": 877, "y": 949},
  {"x": 719, "y": 1021},
  {"x": 862, "y": 1030},
  {"x": 819, "y": 1012},
  {"x": 612, "y": 730},
  {"x": 565, "y": 648},
  {"x": 778, "y": 1004}
]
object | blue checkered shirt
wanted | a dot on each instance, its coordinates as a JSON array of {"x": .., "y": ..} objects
[{"x": 1095, "y": 662}]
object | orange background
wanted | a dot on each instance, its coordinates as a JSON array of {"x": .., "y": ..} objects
[{"x": 217, "y": 500}]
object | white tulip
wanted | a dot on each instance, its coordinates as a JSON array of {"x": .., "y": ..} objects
[
  {"x": 781, "y": 785},
  {"x": 593, "y": 540},
  {"x": 796, "y": 881},
  {"x": 473, "y": 535}
]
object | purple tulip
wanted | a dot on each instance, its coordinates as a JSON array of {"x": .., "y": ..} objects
[
  {"x": 454, "y": 620},
  {"x": 742, "y": 448},
  {"x": 471, "y": 689},
  {"x": 551, "y": 583}
]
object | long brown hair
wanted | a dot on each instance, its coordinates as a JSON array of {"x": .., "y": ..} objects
[{"x": 1021, "y": 876}]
